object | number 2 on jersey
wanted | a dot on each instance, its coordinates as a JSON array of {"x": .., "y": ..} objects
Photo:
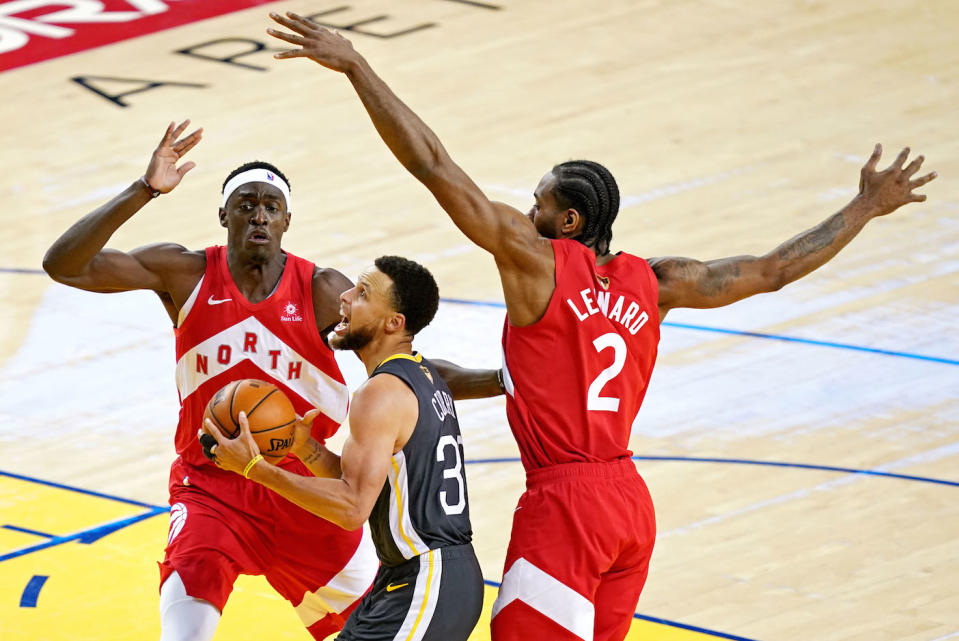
[{"x": 594, "y": 401}]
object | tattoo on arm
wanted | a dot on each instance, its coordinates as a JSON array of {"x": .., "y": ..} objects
[
  {"x": 315, "y": 455},
  {"x": 814, "y": 240},
  {"x": 709, "y": 280},
  {"x": 674, "y": 269},
  {"x": 717, "y": 278}
]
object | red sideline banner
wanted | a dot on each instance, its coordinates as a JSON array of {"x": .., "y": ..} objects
[{"x": 37, "y": 30}]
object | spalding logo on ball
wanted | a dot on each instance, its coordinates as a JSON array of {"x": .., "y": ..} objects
[{"x": 268, "y": 410}]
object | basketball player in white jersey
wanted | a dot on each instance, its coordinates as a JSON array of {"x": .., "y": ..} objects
[{"x": 401, "y": 468}]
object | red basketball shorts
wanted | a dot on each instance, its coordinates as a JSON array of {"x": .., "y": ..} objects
[
  {"x": 578, "y": 554},
  {"x": 321, "y": 569}
]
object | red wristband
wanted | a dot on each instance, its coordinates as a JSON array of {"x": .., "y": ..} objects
[{"x": 150, "y": 190}]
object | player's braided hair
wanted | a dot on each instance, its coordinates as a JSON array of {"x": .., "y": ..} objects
[
  {"x": 415, "y": 294},
  {"x": 590, "y": 189},
  {"x": 256, "y": 164}
]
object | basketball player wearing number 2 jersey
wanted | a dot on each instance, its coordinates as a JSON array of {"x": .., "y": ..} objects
[
  {"x": 579, "y": 345},
  {"x": 401, "y": 468}
]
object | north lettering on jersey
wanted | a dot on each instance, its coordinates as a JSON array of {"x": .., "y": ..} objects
[
  {"x": 227, "y": 339},
  {"x": 224, "y": 355},
  {"x": 293, "y": 371},
  {"x": 625, "y": 311}
]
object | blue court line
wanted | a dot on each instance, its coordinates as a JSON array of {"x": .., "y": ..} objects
[
  {"x": 85, "y": 536},
  {"x": 735, "y": 461},
  {"x": 673, "y": 624},
  {"x": 801, "y": 466},
  {"x": 693, "y": 628},
  {"x": 27, "y": 531},
  {"x": 20, "y": 270},
  {"x": 475, "y": 303},
  {"x": 809, "y": 341},
  {"x": 30, "y": 593},
  {"x": 698, "y": 328},
  {"x": 775, "y": 337},
  {"x": 61, "y": 486}
]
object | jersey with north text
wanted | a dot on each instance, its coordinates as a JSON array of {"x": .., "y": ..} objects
[
  {"x": 576, "y": 378},
  {"x": 223, "y": 337},
  {"x": 423, "y": 505}
]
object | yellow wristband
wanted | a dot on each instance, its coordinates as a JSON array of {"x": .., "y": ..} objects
[{"x": 249, "y": 466}]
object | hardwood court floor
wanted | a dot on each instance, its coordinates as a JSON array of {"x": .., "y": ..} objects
[{"x": 801, "y": 447}]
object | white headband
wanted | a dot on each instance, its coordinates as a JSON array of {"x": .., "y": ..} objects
[{"x": 257, "y": 176}]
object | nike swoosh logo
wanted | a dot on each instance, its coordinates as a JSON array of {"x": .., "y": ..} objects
[
  {"x": 213, "y": 301},
  {"x": 392, "y": 587}
]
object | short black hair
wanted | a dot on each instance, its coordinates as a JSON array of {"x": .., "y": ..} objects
[
  {"x": 256, "y": 164},
  {"x": 590, "y": 189},
  {"x": 415, "y": 294}
]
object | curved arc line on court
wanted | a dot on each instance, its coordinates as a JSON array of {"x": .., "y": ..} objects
[
  {"x": 734, "y": 461},
  {"x": 97, "y": 532},
  {"x": 92, "y": 534}
]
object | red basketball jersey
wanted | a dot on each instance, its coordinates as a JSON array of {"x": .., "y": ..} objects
[
  {"x": 223, "y": 337},
  {"x": 576, "y": 378}
]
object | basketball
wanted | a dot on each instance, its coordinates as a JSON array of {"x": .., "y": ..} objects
[{"x": 268, "y": 410}]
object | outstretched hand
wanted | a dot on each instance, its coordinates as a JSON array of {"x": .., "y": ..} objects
[
  {"x": 162, "y": 173},
  {"x": 317, "y": 43},
  {"x": 232, "y": 454},
  {"x": 888, "y": 190}
]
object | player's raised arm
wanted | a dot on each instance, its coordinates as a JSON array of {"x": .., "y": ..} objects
[
  {"x": 497, "y": 228},
  {"x": 383, "y": 412},
  {"x": 685, "y": 282},
  {"x": 78, "y": 257}
]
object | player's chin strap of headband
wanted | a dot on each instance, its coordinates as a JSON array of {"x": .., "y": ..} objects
[{"x": 257, "y": 176}]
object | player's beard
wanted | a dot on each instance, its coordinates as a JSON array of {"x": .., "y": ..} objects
[{"x": 353, "y": 339}]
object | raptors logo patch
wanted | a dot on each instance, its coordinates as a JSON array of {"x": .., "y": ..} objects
[{"x": 177, "y": 521}]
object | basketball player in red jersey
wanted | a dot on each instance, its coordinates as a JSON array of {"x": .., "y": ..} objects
[
  {"x": 583, "y": 532},
  {"x": 246, "y": 310}
]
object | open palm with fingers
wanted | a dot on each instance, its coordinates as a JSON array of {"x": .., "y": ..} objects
[
  {"x": 317, "y": 43},
  {"x": 162, "y": 173},
  {"x": 888, "y": 190}
]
